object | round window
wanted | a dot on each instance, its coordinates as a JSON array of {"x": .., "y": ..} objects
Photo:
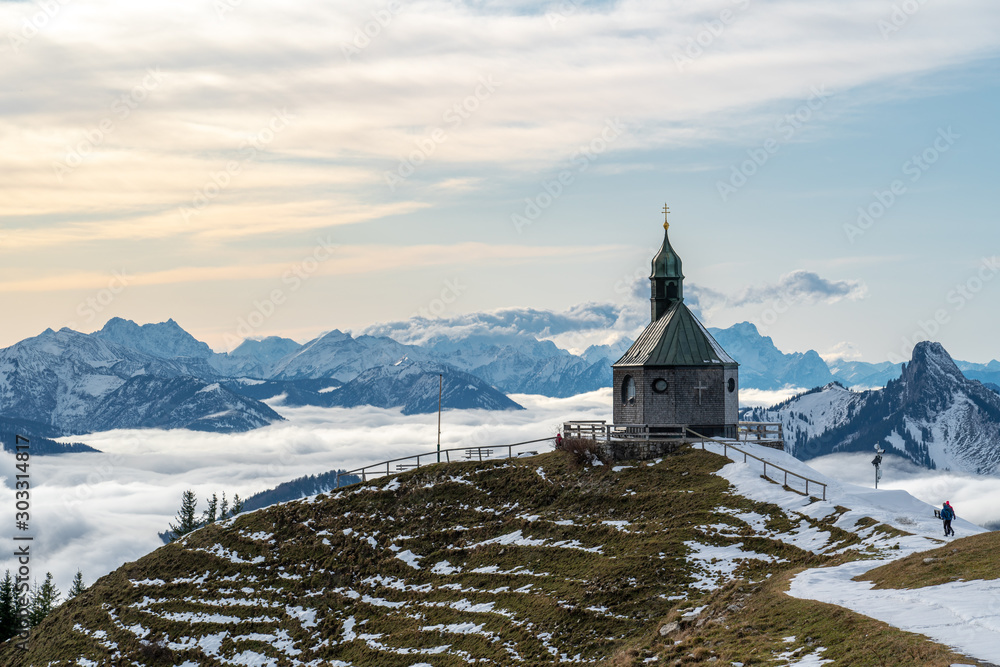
[
  {"x": 732, "y": 384},
  {"x": 659, "y": 385},
  {"x": 628, "y": 390}
]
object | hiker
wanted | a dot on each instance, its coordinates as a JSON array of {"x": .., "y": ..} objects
[{"x": 947, "y": 514}]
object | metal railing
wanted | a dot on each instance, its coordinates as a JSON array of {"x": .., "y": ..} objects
[
  {"x": 726, "y": 446},
  {"x": 603, "y": 431},
  {"x": 486, "y": 452}
]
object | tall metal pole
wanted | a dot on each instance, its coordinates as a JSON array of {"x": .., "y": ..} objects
[
  {"x": 877, "y": 462},
  {"x": 440, "y": 391}
]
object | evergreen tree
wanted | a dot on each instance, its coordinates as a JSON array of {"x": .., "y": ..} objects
[
  {"x": 8, "y": 608},
  {"x": 77, "y": 586},
  {"x": 43, "y": 601},
  {"x": 187, "y": 515},
  {"x": 213, "y": 504},
  {"x": 224, "y": 506},
  {"x": 237, "y": 504}
]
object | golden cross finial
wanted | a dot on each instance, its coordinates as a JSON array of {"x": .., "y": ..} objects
[{"x": 666, "y": 210}]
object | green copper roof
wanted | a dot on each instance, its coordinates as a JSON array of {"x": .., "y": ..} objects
[
  {"x": 667, "y": 263},
  {"x": 676, "y": 339}
]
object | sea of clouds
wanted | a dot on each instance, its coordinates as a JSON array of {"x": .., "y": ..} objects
[
  {"x": 96, "y": 511},
  {"x": 975, "y": 498}
]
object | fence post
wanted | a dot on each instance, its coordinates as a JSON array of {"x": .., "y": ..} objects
[
  {"x": 786, "y": 478},
  {"x": 447, "y": 456},
  {"x": 807, "y": 485}
]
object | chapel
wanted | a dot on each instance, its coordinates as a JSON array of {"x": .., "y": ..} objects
[{"x": 675, "y": 374}]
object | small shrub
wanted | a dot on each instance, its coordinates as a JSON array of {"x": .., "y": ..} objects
[
  {"x": 580, "y": 450},
  {"x": 156, "y": 652}
]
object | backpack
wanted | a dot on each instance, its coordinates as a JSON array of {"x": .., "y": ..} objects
[{"x": 947, "y": 513}]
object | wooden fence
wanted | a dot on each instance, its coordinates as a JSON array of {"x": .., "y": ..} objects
[
  {"x": 759, "y": 432},
  {"x": 405, "y": 463}
]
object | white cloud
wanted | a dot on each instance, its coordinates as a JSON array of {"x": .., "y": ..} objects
[
  {"x": 842, "y": 351},
  {"x": 220, "y": 79},
  {"x": 97, "y": 511},
  {"x": 536, "y": 322},
  {"x": 765, "y": 398},
  {"x": 796, "y": 287}
]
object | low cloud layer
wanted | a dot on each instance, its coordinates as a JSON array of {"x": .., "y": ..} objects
[
  {"x": 544, "y": 324},
  {"x": 975, "y": 498},
  {"x": 97, "y": 511},
  {"x": 765, "y": 398}
]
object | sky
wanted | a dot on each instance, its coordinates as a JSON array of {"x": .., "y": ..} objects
[{"x": 255, "y": 168}]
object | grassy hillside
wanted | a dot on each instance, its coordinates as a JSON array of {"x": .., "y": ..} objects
[
  {"x": 528, "y": 561},
  {"x": 962, "y": 560}
]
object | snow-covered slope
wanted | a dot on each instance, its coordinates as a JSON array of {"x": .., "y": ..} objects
[
  {"x": 180, "y": 402},
  {"x": 960, "y": 614},
  {"x": 518, "y": 363},
  {"x": 162, "y": 339},
  {"x": 525, "y": 371},
  {"x": 932, "y": 415},
  {"x": 414, "y": 386},
  {"x": 342, "y": 357},
  {"x": 255, "y": 358},
  {"x": 763, "y": 366},
  {"x": 864, "y": 374},
  {"x": 512, "y": 362},
  {"x": 808, "y": 416},
  {"x": 74, "y": 382}
]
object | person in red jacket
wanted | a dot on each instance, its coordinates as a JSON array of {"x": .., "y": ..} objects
[{"x": 947, "y": 514}]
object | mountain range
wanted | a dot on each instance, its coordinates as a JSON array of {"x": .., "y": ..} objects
[
  {"x": 932, "y": 415},
  {"x": 71, "y": 382},
  {"x": 159, "y": 376}
]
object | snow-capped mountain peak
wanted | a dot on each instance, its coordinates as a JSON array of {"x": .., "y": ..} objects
[
  {"x": 163, "y": 339},
  {"x": 932, "y": 415}
]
